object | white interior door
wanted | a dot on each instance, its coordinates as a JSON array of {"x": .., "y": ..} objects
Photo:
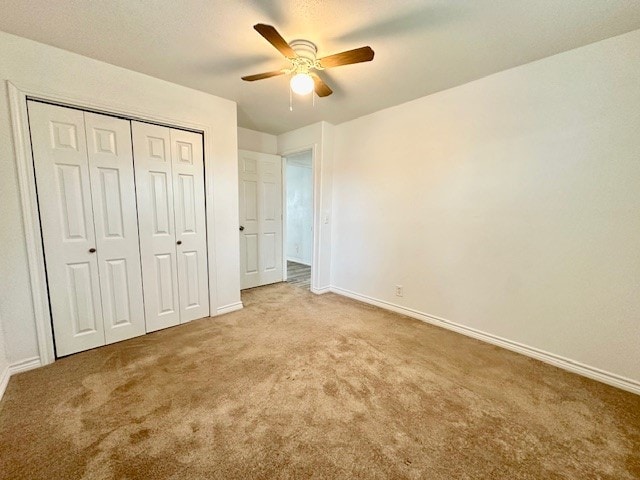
[
  {"x": 190, "y": 224},
  {"x": 154, "y": 191},
  {"x": 66, "y": 215},
  {"x": 116, "y": 225},
  {"x": 260, "y": 202}
]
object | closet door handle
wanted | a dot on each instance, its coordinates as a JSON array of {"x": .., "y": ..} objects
[
  {"x": 241, "y": 228},
  {"x": 92, "y": 250},
  {"x": 179, "y": 242}
]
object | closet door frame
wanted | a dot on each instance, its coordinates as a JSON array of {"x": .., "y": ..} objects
[{"x": 19, "y": 120}]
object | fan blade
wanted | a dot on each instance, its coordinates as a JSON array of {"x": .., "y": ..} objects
[
  {"x": 321, "y": 88},
  {"x": 363, "y": 54},
  {"x": 260, "y": 76},
  {"x": 272, "y": 36}
]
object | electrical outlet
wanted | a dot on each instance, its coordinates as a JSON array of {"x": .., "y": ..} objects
[{"x": 399, "y": 291}]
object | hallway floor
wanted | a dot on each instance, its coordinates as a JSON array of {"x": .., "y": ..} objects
[{"x": 299, "y": 274}]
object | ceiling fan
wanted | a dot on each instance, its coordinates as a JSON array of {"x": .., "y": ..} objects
[{"x": 302, "y": 55}]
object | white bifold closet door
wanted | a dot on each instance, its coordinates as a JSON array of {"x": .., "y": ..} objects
[
  {"x": 171, "y": 215},
  {"x": 86, "y": 196}
]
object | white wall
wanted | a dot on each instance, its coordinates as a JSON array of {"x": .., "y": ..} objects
[
  {"x": 319, "y": 138},
  {"x": 299, "y": 191},
  {"x": 257, "y": 141},
  {"x": 510, "y": 205},
  {"x": 44, "y": 68}
]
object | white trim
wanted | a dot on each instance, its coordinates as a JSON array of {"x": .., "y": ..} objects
[
  {"x": 24, "y": 365},
  {"x": 283, "y": 217},
  {"x": 15, "y": 368},
  {"x": 31, "y": 221},
  {"x": 320, "y": 291},
  {"x": 298, "y": 260},
  {"x": 573, "y": 366},
  {"x": 4, "y": 380},
  {"x": 232, "y": 307},
  {"x": 26, "y": 180}
]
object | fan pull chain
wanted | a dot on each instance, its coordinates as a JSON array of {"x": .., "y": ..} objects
[
  {"x": 290, "y": 100},
  {"x": 313, "y": 96}
]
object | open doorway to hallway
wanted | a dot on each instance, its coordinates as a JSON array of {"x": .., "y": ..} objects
[{"x": 298, "y": 202}]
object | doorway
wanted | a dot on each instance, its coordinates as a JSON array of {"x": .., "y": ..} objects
[{"x": 298, "y": 228}]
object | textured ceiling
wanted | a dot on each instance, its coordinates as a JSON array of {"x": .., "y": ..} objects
[{"x": 421, "y": 46}]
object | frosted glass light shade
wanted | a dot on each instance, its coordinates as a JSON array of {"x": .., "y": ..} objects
[{"x": 302, "y": 83}]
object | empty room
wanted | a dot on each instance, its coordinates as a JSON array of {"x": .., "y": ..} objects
[{"x": 317, "y": 239}]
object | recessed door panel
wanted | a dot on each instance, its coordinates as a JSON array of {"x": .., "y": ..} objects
[
  {"x": 80, "y": 286},
  {"x": 116, "y": 225},
  {"x": 157, "y": 147},
  {"x": 272, "y": 201},
  {"x": 104, "y": 140},
  {"x": 64, "y": 199},
  {"x": 112, "y": 208},
  {"x": 250, "y": 190},
  {"x": 64, "y": 136},
  {"x": 250, "y": 242},
  {"x": 117, "y": 299},
  {"x": 187, "y": 159},
  {"x": 70, "y": 197},
  {"x": 164, "y": 277},
  {"x": 155, "y": 198},
  {"x": 248, "y": 165},
  {"x": 187, "y": 203},
  {"x": 269, "y": 251},
  {"x": 184, "y": 152},
  {"x": 192, "y": 292},
  {"x": 260, "y": 206},
  {"x": 160, "y": 203}
]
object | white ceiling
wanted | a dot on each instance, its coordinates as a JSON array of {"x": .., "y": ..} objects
[{"x": 422, "y": 46}]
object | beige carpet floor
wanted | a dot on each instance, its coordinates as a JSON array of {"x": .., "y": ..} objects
[{"x": 304, "y": 386}]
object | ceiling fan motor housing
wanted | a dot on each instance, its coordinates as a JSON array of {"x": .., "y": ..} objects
[{"x": 306, "y": 52}]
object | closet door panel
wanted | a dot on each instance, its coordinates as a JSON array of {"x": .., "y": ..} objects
[
  {"x": 116, "y": 225},
  {"x": 66, "y": 215},
  {"x": 191, "y": 237},
  {"x": 155, "y": 199}
]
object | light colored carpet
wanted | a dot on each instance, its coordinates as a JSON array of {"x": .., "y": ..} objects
[{"x": 304, "y": 386}]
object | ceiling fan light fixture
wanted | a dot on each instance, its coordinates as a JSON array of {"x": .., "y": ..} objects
[
  {"x": 304, "y": 63},
  {"x": 302, "y": 83}
]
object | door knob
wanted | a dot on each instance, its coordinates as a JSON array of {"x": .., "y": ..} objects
[
  {"x": 241, "y": 228},
  {"x": 179, "y": 242},
  {"x": 92, "y": 250}
]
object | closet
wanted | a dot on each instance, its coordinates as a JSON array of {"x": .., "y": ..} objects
[{"x": 122, "y": 212}]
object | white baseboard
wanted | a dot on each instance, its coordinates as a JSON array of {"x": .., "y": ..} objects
[
  {"x": 18, "y": 367},
  {"x": 573, "y": 366},
  {"x": 232, "y": 307},
  {"x": 4, "y": 380},
  {"x": 298, "y": 260},
  {"x": 321, "y": 290},
  {"x": 24, "y": 365}
]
